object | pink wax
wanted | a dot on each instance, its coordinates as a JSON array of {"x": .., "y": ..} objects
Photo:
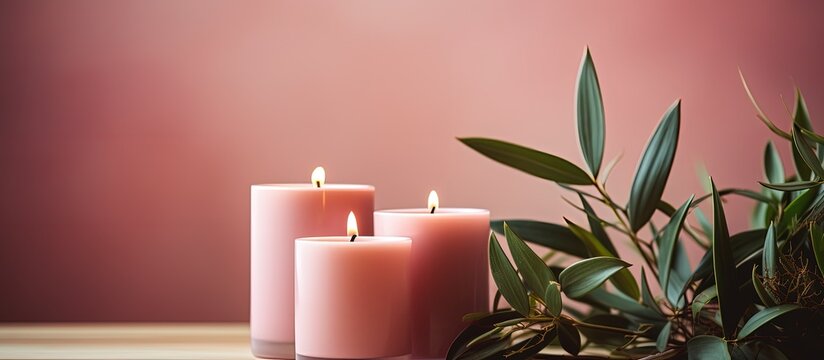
[
  {"x": 280, "y": 214},
  {"x": 450, "y": 271},
  {"x": 352, "y": 298}
]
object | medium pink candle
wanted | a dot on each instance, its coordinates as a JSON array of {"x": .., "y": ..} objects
[
  {"x": 352, "y": 297},
  {"x": 280, "y": 214},
  {"x": 450, "y": 270}
]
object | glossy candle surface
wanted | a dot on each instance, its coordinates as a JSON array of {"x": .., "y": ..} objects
[
  {"x": 280, "y": 213},
  {"x": 352, "y": 298},
  {"x": 450, "y": 270}
]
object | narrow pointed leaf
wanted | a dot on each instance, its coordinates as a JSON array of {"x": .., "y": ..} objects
[
  {"x": 585, "y": 275},
  {"x": 553, "y": 236},
  {"x": 590, "y": 115},
  {"x": 801, "y": 118},
  {"x": 703, "y": 299},
  {"x": 506, "y": 278},
  {"x": 654, "y": 168},
  {"x": 530, "y": 161},
  {"x": 668, "y": 244},
  {"x": 707, "y": 347},
  {"x": 806, "y": 152},
  {"x": 596, "y": 226},
  {"x": 623, "y": 280},
  {"x": 623, "y": 303},
  {"x": 817, "y": 240},
  {"x": 770, "y": 257},
  {"x": 773, "y": 167},
  {"x": 760, "y": 114},
  {"x": 796, "y": 209},
  {"x": 765, "y": 316},
  {"x": 663, "y": 337},
  {"x": 553, "y": 298},
  {"x": 792, "y": 186},
  {"x": 569, "y": 337},
  {"x": 724, "y": 268},
  {"x": 813, "y": 136},
  {"x": 762, "y": 292},
  {"x": 646, "y": 294},
  {"x": 706, "y": 227},
  {"x": 534, "y": 271},
  {"x": 526, "y": 349},
  {"x": 745, "y": 245}
]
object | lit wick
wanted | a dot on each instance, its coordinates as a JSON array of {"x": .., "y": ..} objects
[
  {"x": 318, "y": 176},
  {"x": 352, "y": 226},
  {"x": 433, "y": 201}
]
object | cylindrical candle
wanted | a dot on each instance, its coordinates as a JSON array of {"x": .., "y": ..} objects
[
  {"x": 450, "y": 270},
  {"x": 352, "y": 297},
  {"x": 280, "y": 214}
]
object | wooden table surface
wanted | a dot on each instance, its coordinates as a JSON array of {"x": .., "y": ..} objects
[{"x": 125, "y": 341}]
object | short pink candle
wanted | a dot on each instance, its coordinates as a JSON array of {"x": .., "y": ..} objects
[
  {"x": 280, "y": 214},
  {"x": 450, "y": 271},
  {"x": 352, "y": 297}
]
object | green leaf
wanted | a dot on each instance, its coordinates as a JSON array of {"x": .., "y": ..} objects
[
  {"x": 534, "y": 271},
  {"x": 773, "y": 167},
  {"x": 506, "y": 278},
  {"x": 806, "y": 153},
  {"x": 623, "y": 303},
  {"x": 703, "y": 299},
  {"x": 757, "y": 350},
  {"x": 585, "y": 275},
  {"x": 813, "y": 136},
  {"x": 553, "y": 298},
  {"x": 792, "y": 186},
  {"x": 654, "y": 168},
  {"x": 526, "y": 349},
  {"x": 817, "y": 240},
  {"x": 796, "y": 209},
  {"x": 765, "y": 316},
  {"x": 606, "y": 337},
  {"x": 570, "y": 337},
  {"x": 646, "y": 294},
  {"x": 663, "y": 337},
  {"x": 550, "y": 235},
  {"x": 590, "y": 115},
  {"x": 770, "y": 256},
  {"x": 724, "y": 268},
  {"x": 596, "y": 226},
  {"x": 744, "y": 245},
  {"x": 668, "y": 244},
  {"x": 623, "y": 280},
  {"x": 763, "y": 294},
  {"x": 459, "y": 349},
  {"x": 760, "y": 114},
  {"x": 707, "y": 347},
  {"x": 801, "y": 118},
  {"x": 706, "y": 227},
  {"x": 530, "y": 161}
]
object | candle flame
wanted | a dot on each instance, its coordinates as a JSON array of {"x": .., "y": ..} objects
[
  {"x": 351, "y": 225},
  {"x": 433, "y": 201},
  {"x": 318, "y": 176}
]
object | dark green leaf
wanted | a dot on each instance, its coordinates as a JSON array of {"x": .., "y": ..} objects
[
  {"x": 623, "y": 280},
  {"x": 654, "y": 168},
  {"x": 706, "y": 227},
  {"x": 590, "y": 114},
  {"x": 585, "y": 275},
  {"x": 486, "y": 350},
  {"x": 534, "y": 271},
  {"x": 817, "y": 240},
  {"x": 744, "y": 245},
  {"x": 596, "y": 226},
  {"x": 703, "y": 299},
  {"x": 796, "y": 209},
  {"x": 623, "y": 303},
  {"x": 813, "y": 136},
  {"x": 801, "y": 118},
  {"x": 553, "y": 298},
  {"x": 792, "y": 186},
  {"x": 550, "y": 235},
  {"x": 530, "y": 161},
  {"x": 528, "y": 348},
  {"x": 770, "y": 256},
  {"x": 668, "y": 244},
  {"x": 773, "y": 167},
  {"x": 483, "y": 337},
  {"x": 646, "y": 294},
  {"x": 765, "y": 316},
  {"x": 707, "y": 347},
  {"x": 663, "y": 337},
  {"x": 506, "y": 278},
  {"x": 459, "y": 349},
  {"x": 757, "y": 350},
  {"x": 806, "y": 153},
  {"x": 570, "y": 337},
  {"x": 606, "y": 337},
  {"x": 762, "y": 292},
  {"x": 724, "y": 268}
]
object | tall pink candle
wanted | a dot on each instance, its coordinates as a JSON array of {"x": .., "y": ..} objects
[
  {"x": 280, "y": 214},
  {"x": 450, "y": 271},
  {"x": 352, "y": 298}
]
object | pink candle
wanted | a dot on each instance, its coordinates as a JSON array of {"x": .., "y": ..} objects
[
  {"x": 352, "y": 297},
  {"x": 450, "y": 270},
  {"x": 280, "y": 214}
]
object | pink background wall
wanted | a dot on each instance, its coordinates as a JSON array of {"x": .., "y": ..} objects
[{"x": 130, "y": 131}]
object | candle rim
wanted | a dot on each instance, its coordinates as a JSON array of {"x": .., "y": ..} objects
[
  {"x": 427, "y": 212},
  {"x": 312, "y": 187},
  {"x": 366, "y": 239}
]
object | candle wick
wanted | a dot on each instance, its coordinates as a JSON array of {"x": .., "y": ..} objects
[
  {"x": 317, "y": 184},
  {"x": 353, "y": 238},
  {"x": 433, "y": 210}
]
